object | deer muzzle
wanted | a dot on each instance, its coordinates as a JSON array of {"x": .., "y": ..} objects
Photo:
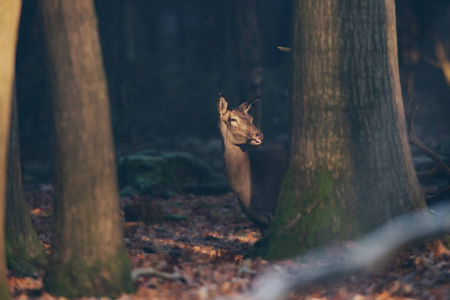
[{"x": 256, "y": 138}]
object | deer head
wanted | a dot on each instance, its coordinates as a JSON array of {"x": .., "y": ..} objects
[{"x": 236, "y": 124}]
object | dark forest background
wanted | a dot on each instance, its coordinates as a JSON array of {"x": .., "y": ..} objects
[{"x": 166, "y": 62}]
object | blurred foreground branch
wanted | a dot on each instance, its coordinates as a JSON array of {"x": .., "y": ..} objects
[{"x": 370, "y": 250}]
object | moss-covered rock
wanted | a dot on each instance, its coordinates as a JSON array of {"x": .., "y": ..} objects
[{"x": 165, "y": 173}]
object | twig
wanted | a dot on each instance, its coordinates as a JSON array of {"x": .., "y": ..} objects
[
  {"x": 153, "y": 272},
  {"x": 289, "y": 225},
  {"x": 436, "y": 192}
]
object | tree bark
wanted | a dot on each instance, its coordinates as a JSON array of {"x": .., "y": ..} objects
[
  {"x": 9, "y": 26},
  {"x": 88, "y": 257},
  {"x": 24, "y": 252},
  {"x": 350, "y": 166}
]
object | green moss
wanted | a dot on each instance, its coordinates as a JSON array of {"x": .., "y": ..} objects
[
  {"x": 4, "y": 291},
  {"x": 25, "y": 258},
  {"x": 79, "y": 279},
  {"x": 275, "y": 245},
  {"x": 286, "y": 201},
  {"x": 285, "y": 246},
  {"x": 259, "y": 249},
  {"x": 308, "y": 216}
]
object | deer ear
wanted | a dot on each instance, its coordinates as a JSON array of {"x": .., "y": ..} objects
[
  {"x": 246, "y": 106},
  {"x": 222, "y": 105}
]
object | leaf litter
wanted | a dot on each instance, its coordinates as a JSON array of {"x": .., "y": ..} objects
[{"x": 194, "y": 247}]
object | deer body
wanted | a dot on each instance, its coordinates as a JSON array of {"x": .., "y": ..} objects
[{"x": 255, "y": 176}]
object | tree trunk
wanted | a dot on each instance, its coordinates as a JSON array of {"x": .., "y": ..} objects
[
  {"x": 350, "y": 166},
  {"x": 9, "y": 26},
  {"x": 88, "y": 257},
  {"x": 249, "y": 54},
  {"x": 24, "y": 252}
]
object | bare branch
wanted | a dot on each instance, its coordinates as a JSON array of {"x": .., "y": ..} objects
[
  {"x": 439, "y": 165},
  {"x": 432, "y": 172},
  {"x": 436, "y": 192}
]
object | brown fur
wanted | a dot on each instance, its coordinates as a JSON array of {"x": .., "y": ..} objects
[{"x": 255, "y": 176}]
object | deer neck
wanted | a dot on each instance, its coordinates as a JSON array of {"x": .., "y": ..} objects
[{"x": 237, "y": 169}]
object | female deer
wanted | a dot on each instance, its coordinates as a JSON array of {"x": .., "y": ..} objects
[{"x": 255, "y": 176}]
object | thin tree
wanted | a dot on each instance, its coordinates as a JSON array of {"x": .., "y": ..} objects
[
  {"x": 88, "y": 256},
  {"x": 9, "y": 26},
  {"x": 350, "y": 167},
  {"x": 24, "y": 252}
]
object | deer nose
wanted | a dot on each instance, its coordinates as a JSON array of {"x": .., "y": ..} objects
[{"x": 259, "y": 135}]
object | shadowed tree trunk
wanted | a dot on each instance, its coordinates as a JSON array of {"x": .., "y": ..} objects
[
  {"x": 88, "y": 257},
  {"x": 9, "y": 26},
  {"x": 249, "y": 54},
  {"x": 24, "y": 252},
  {"x": 350, "y": 166}
]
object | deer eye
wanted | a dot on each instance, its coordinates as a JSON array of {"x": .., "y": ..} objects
[{"x": 233, "y": 120}]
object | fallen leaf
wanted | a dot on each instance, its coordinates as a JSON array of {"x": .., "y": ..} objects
[{"x": 438, "y": 248}]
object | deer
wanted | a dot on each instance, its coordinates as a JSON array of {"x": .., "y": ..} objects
[{"x": 255, "y": 176}]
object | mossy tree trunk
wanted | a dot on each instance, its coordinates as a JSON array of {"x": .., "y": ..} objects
[
  {"x": 350, "y": 167},
  {"x": 88, "y": 257},
  {"x": 24, "y": 252},
  {"x": 9, "y": 26}
]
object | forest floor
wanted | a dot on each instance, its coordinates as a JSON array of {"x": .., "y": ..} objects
[{"x": 201, "y": 242}]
